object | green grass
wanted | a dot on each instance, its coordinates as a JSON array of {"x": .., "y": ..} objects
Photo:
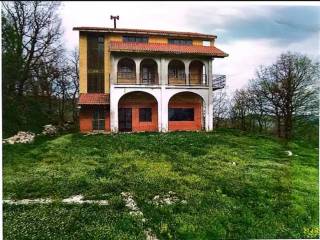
[{"x": 265, "y": 195}]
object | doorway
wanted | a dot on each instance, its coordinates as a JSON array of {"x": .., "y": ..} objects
[{"x": 125, "y": 119}]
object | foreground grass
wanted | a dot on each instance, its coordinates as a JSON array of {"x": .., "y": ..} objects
[{"x": 236, "y": 185}]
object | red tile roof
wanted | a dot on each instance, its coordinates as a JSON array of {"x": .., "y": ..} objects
[
  {"x": 94, "y": 99},
  {"x": 146, "y": 31},
  {"x": 166, "y": 48}
]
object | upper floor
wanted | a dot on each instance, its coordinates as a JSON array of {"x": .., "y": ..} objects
[{"x": 145, "y": 57}]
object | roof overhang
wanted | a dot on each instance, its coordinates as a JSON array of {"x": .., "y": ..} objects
[
  {"x": 162, "y": 48},
  {"x": 94, "y": 99}
]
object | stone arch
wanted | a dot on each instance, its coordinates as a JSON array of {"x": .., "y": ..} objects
[
  {"x": 186, "y": 111},
  {"x": 126, "y": 71},
  {"x": 138, "y": 111}
]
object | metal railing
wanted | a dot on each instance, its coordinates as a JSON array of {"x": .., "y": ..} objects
[{"x": 218, "y": 81}]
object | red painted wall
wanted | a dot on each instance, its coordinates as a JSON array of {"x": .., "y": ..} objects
[
  {"x": 138, "y": 100},
  {"x": 186, "y": 100},
  {"x": 85, "y": 119}
]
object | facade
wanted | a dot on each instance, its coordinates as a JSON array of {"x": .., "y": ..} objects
[{"x": 146, "y": 80}]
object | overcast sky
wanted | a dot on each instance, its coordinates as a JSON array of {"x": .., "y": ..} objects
[{"x": 252, "y": 34}]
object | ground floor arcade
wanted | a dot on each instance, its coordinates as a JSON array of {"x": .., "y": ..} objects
[{"x": 136, "y": 110}]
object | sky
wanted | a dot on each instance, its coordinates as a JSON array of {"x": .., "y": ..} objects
[{"x": 253, "y": 34}]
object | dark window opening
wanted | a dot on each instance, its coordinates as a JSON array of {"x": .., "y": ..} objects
[
  {"x": 145, "y": 114},
  {"x": 135, "y": 39},
  {"x": 98, "y": 120},
  {"x": 180, "y": 41},
  {"x": 181, "y": 114},
  {"x": 95, "y": 64}
]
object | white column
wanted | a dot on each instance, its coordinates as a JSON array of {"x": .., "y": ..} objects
[
  {"x": 186, "y": 66},
  {"x": 210, "y": 97},
  {"x": 164, "y": 109},
  {"x": 137, "y": 62},
  {"x": 114, "y": 109},
  {"x": 113, "y": 73}
]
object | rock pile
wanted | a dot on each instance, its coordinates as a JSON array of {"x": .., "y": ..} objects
[
  {"x": 20, "y": 137},
  {"x": 49, "y": 130}
]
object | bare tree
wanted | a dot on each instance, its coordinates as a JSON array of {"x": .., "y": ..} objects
[
  {"x": 37, "y": 29},
  {"x": 220, "y": 107},
  {"x": 74, "y": 74},
  {"x": 289, "y": 88}
]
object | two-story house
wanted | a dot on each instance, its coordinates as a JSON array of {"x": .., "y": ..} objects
[{"x": 146, "y": 80}]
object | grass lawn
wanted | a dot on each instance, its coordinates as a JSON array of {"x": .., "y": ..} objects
[{"x": 236, "y": 185}]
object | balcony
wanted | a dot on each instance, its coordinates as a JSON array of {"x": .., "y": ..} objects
[{"x": 126, "y": 77}]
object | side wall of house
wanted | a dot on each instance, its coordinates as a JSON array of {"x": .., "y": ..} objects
[{"x": 86, "y": 117}]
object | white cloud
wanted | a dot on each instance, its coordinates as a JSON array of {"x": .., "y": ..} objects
[{"x": 245, "y": 56}]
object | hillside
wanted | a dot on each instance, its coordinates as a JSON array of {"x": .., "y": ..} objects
[{"x": 227, "y": 184}]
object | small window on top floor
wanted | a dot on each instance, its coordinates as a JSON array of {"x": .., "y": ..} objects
[
  {"x": 135, "y": 39},
  {"x": 180, "y": 41},
  {"x": 206, "y": 43}
]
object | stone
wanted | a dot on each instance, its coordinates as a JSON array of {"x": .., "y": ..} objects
[{"x": 20, "y": 137}]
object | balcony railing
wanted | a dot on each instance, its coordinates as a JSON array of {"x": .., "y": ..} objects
[
  {"x": 177, "y": 79},
  {"x": 198, "y": 79},
  {"x": 218, "y": 81},
  {"x": 126, "y": 77}
]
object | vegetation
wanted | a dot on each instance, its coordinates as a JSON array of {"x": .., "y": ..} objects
[
  {"x": 39, "y": 77},
  {"x": 237, "y": 185},
  {"x": 279, "y": 94}
]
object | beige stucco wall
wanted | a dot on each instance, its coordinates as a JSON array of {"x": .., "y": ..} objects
[{"x": 83, "y": 62}]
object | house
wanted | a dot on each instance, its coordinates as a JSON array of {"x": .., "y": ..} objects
[{"x": 146, "y": 80}]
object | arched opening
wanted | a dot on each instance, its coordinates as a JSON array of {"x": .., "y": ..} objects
[
  {"x": 149, "y": 72},
  {"x": 126, "y": 71},
  {"x": 185, "y": 112},
  {"x": 197, "y": 74},
  {"x": 137, "y": 112},
  {"x": 176, "y": 73}
]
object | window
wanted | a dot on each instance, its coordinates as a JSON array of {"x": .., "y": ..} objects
[
  {"x": 95, "y": 64},
  {"x": 145, "y": 114},
  {"x": 181, "y": 114},
  {"x": 98, "y": 120},
  {"x": 180, "y": 41},
  {"x": 135, "y": 39}
]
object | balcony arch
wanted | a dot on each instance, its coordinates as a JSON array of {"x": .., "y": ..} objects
[
  {"x": 197, "y": 73},
  {"x": 176, "y": 73},
  {"x": 126, "y": 71},
  {"x": 149, "y": 71}
]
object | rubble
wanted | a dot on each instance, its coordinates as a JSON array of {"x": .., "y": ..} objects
[
  {"x": 20, "y": 137},
  {"x": 167, "y": 199},
  {"x": 49, "y": 130}
]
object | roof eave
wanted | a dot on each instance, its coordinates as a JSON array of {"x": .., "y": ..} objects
[{"x": 165, "y": 52}]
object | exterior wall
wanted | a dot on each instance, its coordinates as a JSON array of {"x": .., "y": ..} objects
[
  {"x": 163, "y": 95},
  {"x": 83, "y": 63},
  {"x": 85, "y": 119},
  {"x": 136, "y": 101},
  {"x": 155, "y": 39}
]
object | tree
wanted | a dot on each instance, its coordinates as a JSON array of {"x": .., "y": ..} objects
[
  {"x": 289, "y": 88},
  {"x": 32, "y": 33},
  {"x": 220, "y": 107}
]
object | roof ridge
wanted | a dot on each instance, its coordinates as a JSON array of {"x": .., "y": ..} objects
[{"x": 150, "y": 31}]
